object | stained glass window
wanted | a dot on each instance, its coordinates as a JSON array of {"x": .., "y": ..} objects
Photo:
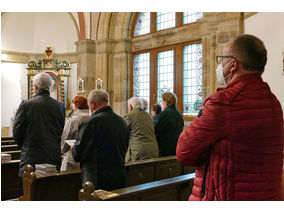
[
  {"x": 141, "y": 76},
  {"x": 165, "y": 73},
  {"x": 191, "y": 17},
  {"x": 166, "y": 20},
  {"x": 142, "y": 24},
  {"x": 192, "y": 79}
]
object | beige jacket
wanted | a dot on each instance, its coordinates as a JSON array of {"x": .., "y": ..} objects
[
  {"x": 142, "y": 139},
  {"x": 71, "y": 132}
]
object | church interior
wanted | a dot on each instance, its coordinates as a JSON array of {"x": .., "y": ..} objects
[
  {"x": 128, "y": 54},
  {"x": 109, "y": 48}
]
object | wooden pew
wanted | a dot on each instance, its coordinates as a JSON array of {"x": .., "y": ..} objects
[
  {"x": 61, "y": 187},
  {"x": 15, "y": 155},
  {"x": 171, "y": 189},
  {"x": 11, "y": 183},
  {"x": 144, "y": 171},
  {"x": 5, "y": 138},
  {"x": 8, "y": 142},
  {"x": 12, "y": 147}
]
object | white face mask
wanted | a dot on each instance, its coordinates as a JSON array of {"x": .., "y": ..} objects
[{"x": 220, "y": 75}]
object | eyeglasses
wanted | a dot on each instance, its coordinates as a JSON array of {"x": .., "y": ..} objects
[{"x": 220, "y": 58}]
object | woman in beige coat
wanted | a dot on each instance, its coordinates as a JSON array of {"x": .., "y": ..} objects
[{"x": 81, "y": 113}]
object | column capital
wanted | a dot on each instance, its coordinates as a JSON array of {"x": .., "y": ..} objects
[{"x": 85, "y": 46}]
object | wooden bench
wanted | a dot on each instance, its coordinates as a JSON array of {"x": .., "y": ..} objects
[
  {"x": 8, "y": 142},
  {"x": 61, "y": 187},
  {"x": 144, "y": 171},
  {"x": 15, "y": 155},
  {"x": 5, "y": 138},
  {"x": 12, "y": 147},
  {"x": 11, "y": 183},
  {"x": 171, "y": 189}
]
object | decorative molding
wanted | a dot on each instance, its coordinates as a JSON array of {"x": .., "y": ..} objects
[{"x": 23, "y": 58}]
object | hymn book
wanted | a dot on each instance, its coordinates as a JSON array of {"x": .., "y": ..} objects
[
  {"x": 45, "y": 167},
  {"x": 70, "y": 142}
]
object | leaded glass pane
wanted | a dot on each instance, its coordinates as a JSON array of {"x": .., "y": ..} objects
[
  {"x": 191, "y": 17},
  {"x": 166, "y": 20},
  {"x": 165, "y": 73},
  {"x": 192, "y": 79},
  {"x": 142, "y": 24},
  {"x": 141, "y": 76}
]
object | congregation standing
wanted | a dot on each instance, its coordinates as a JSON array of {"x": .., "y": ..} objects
[{"x": 230, "y": 142}]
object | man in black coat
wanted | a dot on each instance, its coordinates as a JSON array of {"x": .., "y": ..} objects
[
  {"x": 38, "y": 126},
  {"x": 169, "y": 125},
  {"x": 101, "y": 144}
]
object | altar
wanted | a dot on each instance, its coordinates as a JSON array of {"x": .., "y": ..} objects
[{"x": 59, "y": 72}]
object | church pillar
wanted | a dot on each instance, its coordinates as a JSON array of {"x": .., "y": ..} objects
[
  {"x": 112, "y": 66},
  {"x": 86, "y": 56}
]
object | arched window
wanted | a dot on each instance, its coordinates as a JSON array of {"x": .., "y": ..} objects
[
  {"x": 142, "y": 24},
  {"x": 176, "y": 68}
]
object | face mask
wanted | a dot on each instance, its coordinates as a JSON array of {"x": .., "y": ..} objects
[{"x": 220, "y": 75}]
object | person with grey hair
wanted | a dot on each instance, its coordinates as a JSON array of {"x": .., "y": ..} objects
[
  {"x": 38, "y": 126},
  {"x": 144, "y": 104},
  {"x": 101, "y": 144},
  {"x": 142, "y": 139}
]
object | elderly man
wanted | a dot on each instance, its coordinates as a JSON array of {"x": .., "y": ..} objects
[
  {"x": 38, "y": 126},
  {"x": 142, "y": 140},
  {"x": 237, "y": 142},
  {"x": 169, "y": 125},
  {"x": 144, "y": 104},
  {"x": 101, "y": 144}
]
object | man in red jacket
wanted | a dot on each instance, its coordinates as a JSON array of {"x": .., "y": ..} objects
[{"x": 236, "y": 142}]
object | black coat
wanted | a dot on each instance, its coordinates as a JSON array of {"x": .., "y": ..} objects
[
  {"x": 101, "y": 147},
  {"x": 37, "y": 130},
  {"x": 167, "y": 129}
]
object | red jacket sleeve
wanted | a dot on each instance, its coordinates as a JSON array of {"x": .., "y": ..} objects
[{"x": 196, "y": 140}]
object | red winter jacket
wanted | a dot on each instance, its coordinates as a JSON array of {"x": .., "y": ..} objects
[{"x": 240, "y": 135}]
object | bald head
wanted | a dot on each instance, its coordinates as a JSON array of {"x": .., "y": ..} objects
[{"x": 249, "y": 50}]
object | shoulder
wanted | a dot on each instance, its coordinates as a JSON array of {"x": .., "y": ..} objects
[{"x": 220, "y": 96}]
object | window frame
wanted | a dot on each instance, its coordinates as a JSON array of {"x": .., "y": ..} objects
[
  {"x": 153, "y": 23},
  {"x": 178, "y": 72}
]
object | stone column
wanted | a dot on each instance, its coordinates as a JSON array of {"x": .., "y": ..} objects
[
  {"x": 212, "y": 56},
  {"x": 86, "y": 56}
]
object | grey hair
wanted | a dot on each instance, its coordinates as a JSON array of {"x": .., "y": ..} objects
[
  {"x": 99, "y": 96},
  {"x": 42, "y": 81},
  {"x": 145, "y": 103},
  {"x": 135, "y": 102}
]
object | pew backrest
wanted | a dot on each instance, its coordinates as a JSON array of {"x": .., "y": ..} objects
[
  {"x": 144, "y": 171},
  {"x": 59, "y": 187},
  {"x": 171, "y": 189},
  {"x": 11, "y": 183}
]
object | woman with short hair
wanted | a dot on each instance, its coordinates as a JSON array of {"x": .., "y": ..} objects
[
  {"x": 169, "y": 125},
  {"x": 81, "y": 113}
]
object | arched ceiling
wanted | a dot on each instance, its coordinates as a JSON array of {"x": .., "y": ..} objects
[{"x": 32, "y": 32}]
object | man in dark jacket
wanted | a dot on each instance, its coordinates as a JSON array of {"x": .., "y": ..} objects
[
  {"x": 102, "y": 144},
  {"x": 38, "y": 126},
  {"x": 169, "y": 125}
]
